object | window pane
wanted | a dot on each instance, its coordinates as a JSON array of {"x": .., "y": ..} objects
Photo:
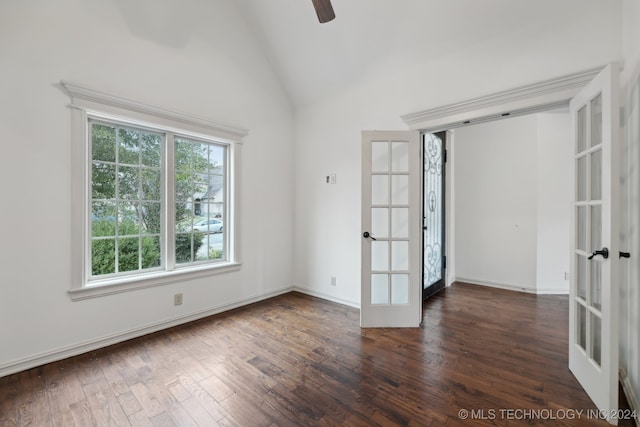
[
  {"x": 400, "y": 256},
  {"x": 399, "y": 289},
  {"x": 596, "y": 120},
  {"x": 582, "y": 276},
  {"x": 103, "y": 181},
  {"x": 400, "y": 189},
  {"x": 379, "y": 189},
  {"x": 128, "y": 146},
  {"x": 596, "y": 175},
  {"x": 103, "y": 256},
  {"x": 128, "y": 183},
  {"x": 582, "y": 130},
  {"x": 380, "y": 222},
  {"x": 399, "y": 222},
  {"x": 128, "y": 251},
  {"x": 582, "y": 179},
  {"x": 380, "y": 156},
  {"x": 596, "y": 284},
  {"x": 103, "y": 219},
  {"x": 151, "y": 255},
  {"x": 379, "y": 289},
  {"x": 596, "y": 339},
  {"x": 581, "y": 228},
  {"x": 151, "y": 218},
  {"x": 128, "y": 222},
  {"x": 582, "y": 325},
  {"x": 379, "y": 256},
  {"x": 151, "y": 184},
  {"x": 117, "y": 191},
  {"x": 103, "y": 142},
  {"x": 184, "y": 246},
  {"x": 151, "y": 149},
  {"x": 596, "y": 228},
  {"x": 200, "y": 195},
  {"x": 400, "y": 156}
]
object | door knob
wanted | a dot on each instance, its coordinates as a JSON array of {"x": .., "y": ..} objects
[
  {"x": 367, "y": 235},
  {"x": 625, "y": 255},
  {"x": 604, "y": 252}
]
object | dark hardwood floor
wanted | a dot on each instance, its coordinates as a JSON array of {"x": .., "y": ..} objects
[{"x": 296, "y": 360}]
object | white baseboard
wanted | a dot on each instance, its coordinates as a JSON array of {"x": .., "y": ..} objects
[
  {"x": 94, "y": 344},
  {"x": 512, "y": 287},
  {"x": 632, "y": 399},
  {"x": 313, "y": 293}
]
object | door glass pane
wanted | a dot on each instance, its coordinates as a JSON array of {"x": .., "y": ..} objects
[
  {"x": 581, "y": 228},
  {"x": 596, "y": 339},
  {"x": 432, "y": 209},
  {"x": 379, "y": 189},
  {"x": 400, "y": 156},
  {"x": 380, "y": 222},
  {"x": 582, "y": 130},
  {"x": 379, "y": 289},
  {"x": 582, "y": 179},
  {"x": 400, "y": 256},
  {"x": 399, "y": 289},
  {"x": 400, "y": 222},
  {"x": 379, "y": 256},
  {"x": 380, "y": 156},
  {"x": 596, "y": 284},
  {"x": 582, "y": 276},
  {"x": 400, "y": 190},
  {"x": 582, "y": 326},
  {"x": 596, "y": 228},
  {"x": 596, "y": 175},
  {"x": 596, "y": 120}
]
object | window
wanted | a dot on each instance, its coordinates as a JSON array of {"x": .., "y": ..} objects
[{"x": 157, "y": 192}]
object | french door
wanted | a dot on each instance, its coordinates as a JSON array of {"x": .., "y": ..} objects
[
  {"x": 391, "y": 290},
  {"x": 433, "y": 212},
  {"x": 593, "y": 311}
]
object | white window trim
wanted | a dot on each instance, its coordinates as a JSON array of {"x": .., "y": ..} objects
[{"x": 88, "y": 102}]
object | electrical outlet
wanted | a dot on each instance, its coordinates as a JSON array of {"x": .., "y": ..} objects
[
  {"x": 333, "y": 281},
  {"x": 177, "y": 299}
]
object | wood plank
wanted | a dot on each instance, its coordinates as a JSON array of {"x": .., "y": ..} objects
[{"x": 298, "y": 360}]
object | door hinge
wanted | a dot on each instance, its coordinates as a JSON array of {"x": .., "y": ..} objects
[
  {"x": 444, "y": 262},
  {"x": 445, "y": 156}
]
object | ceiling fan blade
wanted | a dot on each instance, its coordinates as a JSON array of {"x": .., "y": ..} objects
[{"x": 324, "y": 10}]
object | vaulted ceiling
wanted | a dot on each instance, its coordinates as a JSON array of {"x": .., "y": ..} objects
[{"x": 371, "y": 36}]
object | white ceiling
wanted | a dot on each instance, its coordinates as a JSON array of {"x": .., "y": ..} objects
[{"x": 371, "y": 36}]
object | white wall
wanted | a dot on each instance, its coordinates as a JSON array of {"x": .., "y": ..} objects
[
  {"x": 156, "y": 52},
  {"x": 630, "y": 192},
  {"x": 496, "y": 202},
  {"x": 554, "y": 201},
  {"x": 327, "y": 133}
]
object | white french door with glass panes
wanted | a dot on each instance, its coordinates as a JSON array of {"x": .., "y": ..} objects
[
  {"x": 593, "y": 321},
  {"x": 391, "y": 288}
]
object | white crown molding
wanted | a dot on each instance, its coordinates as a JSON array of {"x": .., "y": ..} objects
[
  {"x": 90, "y": 99},
  {"x": 522, "y": 100}
]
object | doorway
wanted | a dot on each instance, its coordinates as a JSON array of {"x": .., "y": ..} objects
[{"x": 434, "y": 157}]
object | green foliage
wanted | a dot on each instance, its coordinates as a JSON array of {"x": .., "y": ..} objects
[
  {"x": 103, "y": 251},
  {"x": 215, "y": 254},
  {"x": 183, "y": 246}
]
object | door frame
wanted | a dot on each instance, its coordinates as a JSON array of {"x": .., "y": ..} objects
[{"x": 533, "y": 98}]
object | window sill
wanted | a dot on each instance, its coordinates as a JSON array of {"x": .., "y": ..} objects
[{"x": 120, "y": 285}]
